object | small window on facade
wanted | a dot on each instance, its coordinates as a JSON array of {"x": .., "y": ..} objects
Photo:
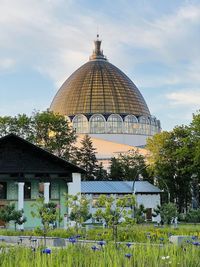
[
  {"x": 3, "y": 190},
  {"x": 41, "y": 190},
  {"x": 149, "y": 214},
  {"x": 27, "y": 190}
]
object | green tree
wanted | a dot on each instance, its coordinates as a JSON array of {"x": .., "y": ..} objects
[
  {"x": 167, "y": 212},
  {"x": 195, "y": 151},
  {"x": 8, "y": 213},
  {"x": 53, "y": 133},
  {"x": 79, "y": 209},
  {"x": 20, "y": 125},
  {"x": 128, "y": 166},
  {"x": 112, "y": 211},
  {"x": 101, "y": 173},
  {"x": 171, "y": 162},
  {"x": 48, "y": 130},
  {"x": 47, "y": 212},
  {"x": 140, "y": 213},
  {"x": 86, "y": 158}
]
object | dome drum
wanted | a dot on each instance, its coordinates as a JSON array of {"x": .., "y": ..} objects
[{"x": 115, "y": 123}]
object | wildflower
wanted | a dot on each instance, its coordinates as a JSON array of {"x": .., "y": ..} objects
[
  {"x": 194, "y": 237},
  {"x": 78, "y": 236},
  {"x": 101, "y": 243},
  {"x": 196, "y": 243},
  {"x": 165, "y": 258},
  {"x": 72, "y": 240},
  {"x": 94, "y": 248},
  {"x": 128, "y": 245},
  {"x": 46, "y": 251},
  {"x": 128, "y": 255}
]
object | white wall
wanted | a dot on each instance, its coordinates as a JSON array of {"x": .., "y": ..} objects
[
  {"x": 126, "y": 139},
  {"x": 75, "y": 186},
  {"x": 149, "y": 201}
]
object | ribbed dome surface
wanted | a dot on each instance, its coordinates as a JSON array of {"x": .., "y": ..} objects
[{"x": 99, "y": 87}]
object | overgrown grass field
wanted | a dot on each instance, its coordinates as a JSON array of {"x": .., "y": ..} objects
[
  {"x": 151, "y": 250},
  {"x": 76, "y": 255},
  {"x": 135, "y": 233}
]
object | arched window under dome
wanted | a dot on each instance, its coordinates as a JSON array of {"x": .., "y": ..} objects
[
  {"x": 97, "y": 124},
  {"x": 144, "y": 125},
  {"x": 114, "y": 124},
  {"x": 80, "y": 124},
  {"x": 130, "y": 124}
]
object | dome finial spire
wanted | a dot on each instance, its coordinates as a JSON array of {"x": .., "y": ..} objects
[{"x": 97, "y": 52}]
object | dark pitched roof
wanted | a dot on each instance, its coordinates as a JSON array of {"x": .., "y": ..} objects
[{"x": 17, "y": 155}]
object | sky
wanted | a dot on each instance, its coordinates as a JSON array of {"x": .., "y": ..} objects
[{"x": 155, "y": 42}]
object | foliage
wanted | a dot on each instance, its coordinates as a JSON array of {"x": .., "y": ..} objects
[
  {"x": 79, "y": 209},
  {"x": 45, "y": 129},
  {"x": 140, "y": 212},
  {"x": 47, "y": 212},
  {"x": 101, "y": 173},
  {"x": 86, "y": 158},
  {"x": 8, "y": 213},
  {"x": 171, "y": 162},
  {"x": 113, "y": 211},
  {"x": 193, "y": 216},
  {"x": 108, "y": 255},
  {"x": 167, "y": 212},
  {"x": 128, "y": 166}
]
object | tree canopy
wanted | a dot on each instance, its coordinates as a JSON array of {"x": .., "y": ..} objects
[
  {"x": 45, "y": 129},
  {"x": 128, "y": 166},
  {"x": 174, "y": 160}
]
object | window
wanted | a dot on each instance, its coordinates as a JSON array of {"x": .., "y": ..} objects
[
  {"x": 114, "y": 124},
  {"x": 3, "y": 190},
  {"x": 27, "y": 190},
  {"x": 130, "y": 124},
  {"x": 149, "y": 214},
  {"x": 144, "y": 125},
  {"x": 41, "y": 190},
  {"x": 80, "y": 124},
  {"x": 97, "y": 124}
]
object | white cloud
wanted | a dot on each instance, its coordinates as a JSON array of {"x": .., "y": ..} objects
[
  {"x": 185, "y": 98},
  {"x": 6, "y": 63}
]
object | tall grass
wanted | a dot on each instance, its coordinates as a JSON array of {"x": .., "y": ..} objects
[
  {"x": 108, "y": 256},
  {"x": 135, "y": 233}
]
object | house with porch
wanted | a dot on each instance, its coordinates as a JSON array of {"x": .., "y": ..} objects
[{"x": 28, "y": 172}]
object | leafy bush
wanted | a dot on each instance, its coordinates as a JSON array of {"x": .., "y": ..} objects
[{"x": 193, "y": 216}]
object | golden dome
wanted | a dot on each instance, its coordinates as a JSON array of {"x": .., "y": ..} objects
[{"x": 99, "y": 87}]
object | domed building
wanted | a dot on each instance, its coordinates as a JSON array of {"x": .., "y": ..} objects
[{"x": 100, "y": 100}]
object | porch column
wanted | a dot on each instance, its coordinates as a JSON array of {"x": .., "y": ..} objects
[
  {"x": 21, "y": 200},
  {"x": 75, "y": 187},
  {"x": 20, "y": 196},
  {"x": 46, "y": 192}
]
